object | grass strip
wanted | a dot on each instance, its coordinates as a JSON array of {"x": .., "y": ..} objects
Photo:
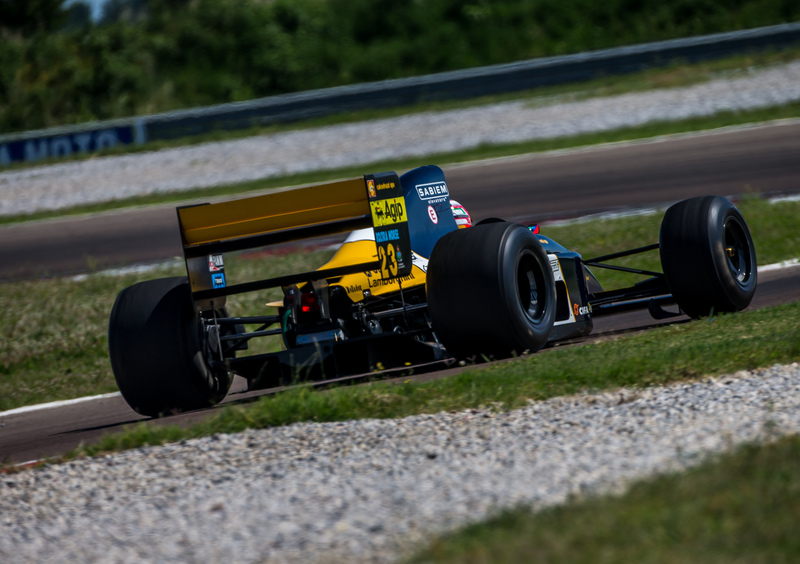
[
  {"x": 738, "y": 507},
  {"x": 486, "y": 151},
  {"x": 716, "y": 345},
  {"x": 773, "y": 227},
  {"x": 54, "y": 345}
]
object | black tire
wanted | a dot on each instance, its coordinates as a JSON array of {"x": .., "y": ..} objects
[
  {"x": 490, "y": 291},
  {"x": 155, "y": 348},
  {"x": 708, "y": 256}
]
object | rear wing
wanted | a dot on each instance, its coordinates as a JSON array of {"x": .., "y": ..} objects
[{"x": 210, "y": 230}]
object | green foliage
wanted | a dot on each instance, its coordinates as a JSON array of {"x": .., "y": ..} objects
[
  {"x": 739, "y": 507},
  {"x": 30, "y": 17},
  {"x": 158, "y": 55}
]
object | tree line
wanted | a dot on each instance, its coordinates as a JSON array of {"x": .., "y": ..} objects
[{"x": 58, "y": 66}]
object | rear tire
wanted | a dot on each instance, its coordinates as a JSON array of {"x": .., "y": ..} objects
[
  {"x": 491, "y": 291},
  {"x": 708, "y": 256},
  {"x": 155, "y": 347}
]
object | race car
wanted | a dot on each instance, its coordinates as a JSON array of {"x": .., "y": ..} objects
[{"x": 414, "y": 283}]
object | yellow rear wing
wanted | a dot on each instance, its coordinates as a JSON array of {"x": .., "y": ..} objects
[{"x": 210, "y": 230}]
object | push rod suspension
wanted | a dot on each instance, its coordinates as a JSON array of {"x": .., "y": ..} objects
[
  {"x": 620, "y": 254},
  {"x": 624, "y": 269},
  {"x": 264, "y": 319}
]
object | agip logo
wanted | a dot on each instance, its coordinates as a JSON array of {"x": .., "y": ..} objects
[{"x": 388, "y": 212}]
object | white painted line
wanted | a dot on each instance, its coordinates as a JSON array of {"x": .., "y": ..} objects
[
  {"x": 626, "y": 143},
  {"x": 133, "y": 269},
  {"x": 766, "y": 268},
  {"x": 634, "y": 212},
  {"x": 602, "y": 216},
  {"x": 29, "y": 463},
  {"x": 779, "y": 265},
  {"x": 779, "y": 199},
  {"x": 29, "y": 408}
]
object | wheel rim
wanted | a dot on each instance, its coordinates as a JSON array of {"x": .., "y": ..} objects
[
  {"x": 737, "y": 251},
  {"x": 530, "y": 287}
]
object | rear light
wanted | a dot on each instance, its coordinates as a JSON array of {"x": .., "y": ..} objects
[{"x": 309, "y": 303}]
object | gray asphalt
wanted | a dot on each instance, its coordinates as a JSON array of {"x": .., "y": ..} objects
[
  {"x": 51, "y": 432},
  {"x": 533, "y": 188}
]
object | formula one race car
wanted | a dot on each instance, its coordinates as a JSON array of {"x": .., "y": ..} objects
[{"x": 413, "y": 284}]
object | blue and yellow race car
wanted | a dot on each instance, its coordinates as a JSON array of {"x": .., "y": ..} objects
[{"x": 414, "y": 283}]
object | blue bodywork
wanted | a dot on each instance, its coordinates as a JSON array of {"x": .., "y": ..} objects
[{"x": 428, "y": 207}]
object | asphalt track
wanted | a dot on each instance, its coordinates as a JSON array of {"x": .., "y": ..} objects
[
  {"x": 529, "y": 189},
  {"x": 619, "y": 177},
  {"x": 41, "y": 433}
]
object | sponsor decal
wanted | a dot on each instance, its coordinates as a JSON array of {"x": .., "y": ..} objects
[
  {"x": 581, "y": 310},
  {"x": 388, "y": 235},
  {"x": 557, "y": 277},
  {"x": 433, "y": 215},
  {"x": 353, "y": 289},
  {"x": 386, "y": 186},
  {"x": 371, "y": 188},
  {"x": 388, "y": 212},
  {"x": 433, "y": 192},
  {"x": 388, "y": 258},
  {"x": 215, "y": 263},
  {"x": 383, "y": 282},
  {"x": 218, "y": 280},
  {"x": 56, "y": 146},
  {"x": 305, "y": 339},
  {"x": 419, "y": 262}
]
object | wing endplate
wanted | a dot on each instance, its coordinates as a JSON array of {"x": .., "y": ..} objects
[{"x": 209, "y": 230}]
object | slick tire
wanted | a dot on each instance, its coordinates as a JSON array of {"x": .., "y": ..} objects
[
  {"x": 155, "y": 349},
  {"x": 708, "y": 256},
  {"x": 490, "y": 291}
]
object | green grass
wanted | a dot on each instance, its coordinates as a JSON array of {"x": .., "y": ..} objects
[
  {"x": 661, "y": 356},
  {"x": 671, "y": 77},
  {"x": 738, "y": 507},
  {"x": 55, "y": 345},
  {"x": 774, "y": 228}
]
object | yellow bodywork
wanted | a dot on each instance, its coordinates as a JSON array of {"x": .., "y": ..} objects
[
  {"x": 356, "y": 252},
  {"x": 328, "y": 204},
  {"x": 301, "y": 207}
]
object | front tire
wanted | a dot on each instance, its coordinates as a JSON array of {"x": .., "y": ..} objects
[
  {"x": 490, "y": 291},
  {"x": 708, "y": 256},
  {"x": 156, "y": 353}
]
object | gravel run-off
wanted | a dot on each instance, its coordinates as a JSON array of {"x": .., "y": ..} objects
[
  {"x": 373, "y": 490},
  {"x": 211, "y": 164}
]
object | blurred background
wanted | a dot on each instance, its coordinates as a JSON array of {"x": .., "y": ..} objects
[{"x": 72, "y": 61}]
